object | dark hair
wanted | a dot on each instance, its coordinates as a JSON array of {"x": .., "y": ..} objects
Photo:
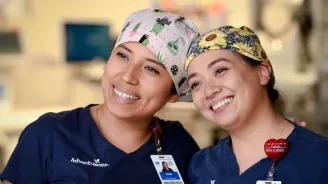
[{"x": 272, "y": 92}]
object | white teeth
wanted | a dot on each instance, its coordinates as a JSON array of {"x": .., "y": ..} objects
[
  {"x": 124, "y": 95},
  {"x": 222, "y": 103}
]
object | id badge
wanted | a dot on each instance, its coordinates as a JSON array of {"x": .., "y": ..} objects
[
  {"x": 166, "y": 169},
  {"x": 268, "y": 182}
]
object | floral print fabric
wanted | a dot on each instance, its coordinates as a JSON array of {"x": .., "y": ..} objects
[{"x": 241, "y": 40}]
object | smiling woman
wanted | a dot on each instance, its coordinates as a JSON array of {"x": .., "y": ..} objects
[
  {"x": 232, "y": 85},
  {"x": 112, "y": 142},
  {"x": 140, "y": 70}
]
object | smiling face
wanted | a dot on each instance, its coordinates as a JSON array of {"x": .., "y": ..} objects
[
  {"x": 225, "y": 89},
  {"x": 135, "y": 84}
]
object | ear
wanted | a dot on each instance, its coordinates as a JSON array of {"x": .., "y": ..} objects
[
  {"x": 265, "y": 71},
  {"x": 173, "y": 98}
]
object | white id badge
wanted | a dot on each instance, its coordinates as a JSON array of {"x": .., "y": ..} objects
[
  {"x": 166, "y": 169},
  {"x": 268, "y": 182}
]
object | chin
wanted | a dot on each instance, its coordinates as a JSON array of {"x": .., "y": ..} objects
[
  {"x": 224, "y": 121},
  {"x": 226, "y": 125},
  {"x": 123, "y": 113}
]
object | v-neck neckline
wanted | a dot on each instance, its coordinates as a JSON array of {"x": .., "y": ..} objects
[
  {"x": 138, "y": 154},
  {"x": 233, "y": 165}
]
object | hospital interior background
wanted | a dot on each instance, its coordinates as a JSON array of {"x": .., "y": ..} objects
[{"x": 52, "y": 54}]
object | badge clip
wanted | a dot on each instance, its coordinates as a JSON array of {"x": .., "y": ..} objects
[
  {"x": 271, "y": 173},
  {"x": 159, "y": 147}
]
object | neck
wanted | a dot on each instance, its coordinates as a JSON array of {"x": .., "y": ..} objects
[
  {"x": 264, "y": 123},
  {"x": 126, "y": 134},
  {"x": 253, "y": 131}
]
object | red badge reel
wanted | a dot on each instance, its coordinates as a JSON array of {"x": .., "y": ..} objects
[{"x": 275, "y": 150}]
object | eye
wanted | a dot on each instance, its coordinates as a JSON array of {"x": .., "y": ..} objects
[
  {"x": 121, "y": 55},
  {"x": 151, "y": 69},
  {"x": 220, "y": 71},
  {"x": 194, "y": 85}
]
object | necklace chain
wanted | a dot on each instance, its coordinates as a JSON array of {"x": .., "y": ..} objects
[{"x": 282, "y": 130}]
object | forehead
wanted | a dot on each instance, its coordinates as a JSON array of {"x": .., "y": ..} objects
[
  {"x": 136, "y": 48},
  {"x": 203, "y": 60}
]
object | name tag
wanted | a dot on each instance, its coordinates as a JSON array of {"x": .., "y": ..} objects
[
  {"x": 166, "y": 169},
  {"x": 268, "y": 182}
]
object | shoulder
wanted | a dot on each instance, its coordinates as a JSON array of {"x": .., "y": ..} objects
[
  {"x": 175, "y": 132},
  {"x": 45, "y": 125},
  {"x": 177, "y": 141},
  {"x": 310, "y": 139},
  {"x": 314, "y": 145},
  {"x": 311, "y": 153},
  {"x": 35, "y": 148},
  {"x": 212, "y": 153},
  {"x": 205, "y": 161},
  {"x": 172, "y": 127}
]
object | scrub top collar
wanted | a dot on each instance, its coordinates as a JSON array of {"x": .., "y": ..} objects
[
  {"x": 232, "y": 161},
  {"x": 107, "y": 146}
]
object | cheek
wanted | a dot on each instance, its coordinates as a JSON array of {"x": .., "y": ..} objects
[
  {"x": 197, "y": 100},
  {"x": 250, "y": 84},
  {"x": 234, "y": 81},
  {"x": 158, "y": 87},
  {"x": 107, "y": 75},
  {"x": 107, "y": 70},
  {"x": 110, "y": 71},
  {"x": 113, "y": 67},
  {"x": 105, "y": 86}
]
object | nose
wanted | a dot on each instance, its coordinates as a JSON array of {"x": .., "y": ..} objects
[
  {"x": 131, "y": 74},
  {"x": 211, "y": 91}
]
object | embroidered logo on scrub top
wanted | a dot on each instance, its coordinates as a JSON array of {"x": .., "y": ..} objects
[{"x": 95, "y": 162}]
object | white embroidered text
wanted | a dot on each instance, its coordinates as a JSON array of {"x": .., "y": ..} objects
[{"x": 95, "y": 163}]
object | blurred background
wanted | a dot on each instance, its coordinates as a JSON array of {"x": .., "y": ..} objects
[{"x": 52, "y": 54}]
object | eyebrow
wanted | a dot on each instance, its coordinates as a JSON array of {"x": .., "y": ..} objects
[
  {"x": 147, "y": 59},
  {"x": 208, "y": 66},
  {"x": 126, "y": 48},
  {"x": 191, "y": 76},
  {"x": 216, "y": 61},
  {"x": 156, "y": 62}
]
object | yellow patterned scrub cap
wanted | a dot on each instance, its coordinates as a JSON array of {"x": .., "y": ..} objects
[{"x": 241, "y": 40}]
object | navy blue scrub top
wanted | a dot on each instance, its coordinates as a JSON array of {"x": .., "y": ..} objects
[
  {"x": 68, "y": 147},
  {"x": 306, "y": 163}
]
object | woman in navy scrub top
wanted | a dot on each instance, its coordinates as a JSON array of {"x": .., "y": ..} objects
[
  {"x": 112, "y": 142},
  {"x": 232, "y": 85}
]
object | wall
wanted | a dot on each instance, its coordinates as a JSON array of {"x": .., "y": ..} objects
[{"x": 41, "y": 27}]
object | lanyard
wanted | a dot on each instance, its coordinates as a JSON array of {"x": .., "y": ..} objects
[{"x": 157, "y": 130}]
